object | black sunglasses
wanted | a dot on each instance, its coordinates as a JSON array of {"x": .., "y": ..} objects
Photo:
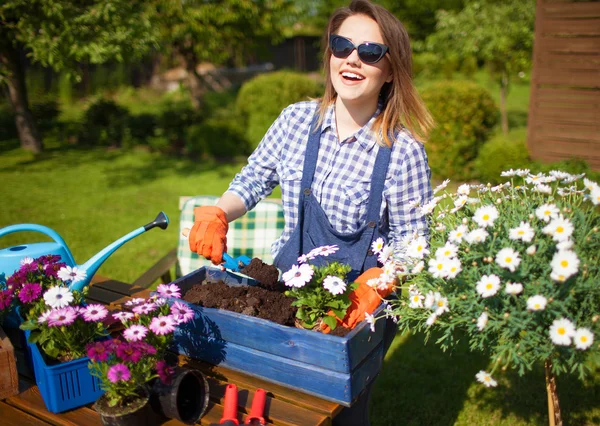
[{"x": 369, "y": 53}]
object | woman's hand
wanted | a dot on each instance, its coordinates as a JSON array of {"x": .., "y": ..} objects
[{"x": 208, "y": 236}]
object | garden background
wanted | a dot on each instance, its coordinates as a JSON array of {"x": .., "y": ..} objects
[{"x": 111, "y": 111}]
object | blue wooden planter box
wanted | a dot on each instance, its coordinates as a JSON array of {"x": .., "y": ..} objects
[
  {"x": 66, "y": 385},
  {"x": 330, "y": 367}
]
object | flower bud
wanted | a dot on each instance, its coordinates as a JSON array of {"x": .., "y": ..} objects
[
  {"x": 531, "y": 250},
  {"x": 465, "y": 220},
  {"x": 473, "y": 320},
  {"x": 550, "y": 299},
  {"x": 499, "y": 201},
  {"x": 504, "y": 368},
  {"x": 495, "y": 233},
  {"x": 474, "y": 264},
  {"x": 595, "y": 318},
  {"x": 519, "y": 353},
  {"x": 506, "y": 315},
  {"x": 531, "y": 216},
  {"x": 595, "y": 229}
]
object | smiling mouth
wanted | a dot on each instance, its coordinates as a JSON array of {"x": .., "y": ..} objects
[{"x": 351, "y": 76}]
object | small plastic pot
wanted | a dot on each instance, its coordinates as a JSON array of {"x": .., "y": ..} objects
[
  {"x": 185, "y": 399},
  {"x": 136, "y": 413}
]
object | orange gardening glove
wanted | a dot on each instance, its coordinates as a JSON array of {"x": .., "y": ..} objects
[
  {"x": 208, "y": 236},
  {"x": 364, "y": 299}
]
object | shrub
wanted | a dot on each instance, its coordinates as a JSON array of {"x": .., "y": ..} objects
[
  {"x": 465, "y": 113},
  {"x": 262, "y": 99},
  {"x": 45, "y": 113},
  {"x": 104, "y": 123},
  {"x": 141, "y": 126},
  {"x": 172, "y": 125},
  {"x": 220, "y": 137},
  {"x": 502, "y": 152}
]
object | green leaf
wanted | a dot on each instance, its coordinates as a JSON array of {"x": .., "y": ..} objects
[{"x": 330, "y": 321}]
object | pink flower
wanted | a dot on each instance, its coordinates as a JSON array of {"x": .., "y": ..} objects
[
  {"x": 128, "y": 352},
  {"x": 94, "y": 312},
  {"x": 135, "y": 301},
  {"x": 181, "y": 312},
  {"x": 135, "y": 333},
  {"x": 162, "y": 325},
  {"x": 168, "y": 290},
  {"x": 165, "y": 372},
  {"x": 323, "y": 251},
  {"x": 44, "y": 317},
  {"x": 97, "y": 351},
  {"x": 118, "y": 372},
  {"x": 30, "y": 292},
  {"x": 61, "y": 316},
  {"x": 6, "y": 297},
  {"x": 122, "y": 316},
  {"x": 146, "y": 308}
]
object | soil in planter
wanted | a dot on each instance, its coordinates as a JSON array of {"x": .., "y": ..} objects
[{"x": 265, "y": 301}]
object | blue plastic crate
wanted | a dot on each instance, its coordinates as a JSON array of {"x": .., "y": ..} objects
[{"x": 66, "y": 385}]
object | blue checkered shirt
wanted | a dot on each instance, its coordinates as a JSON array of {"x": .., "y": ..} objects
[{"x": 343, "y": 174}]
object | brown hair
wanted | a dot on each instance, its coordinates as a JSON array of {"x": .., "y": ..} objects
[{"x": 402, "y": 105}]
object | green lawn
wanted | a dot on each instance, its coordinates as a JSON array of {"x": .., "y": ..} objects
[{"x": 91, "y": 197}]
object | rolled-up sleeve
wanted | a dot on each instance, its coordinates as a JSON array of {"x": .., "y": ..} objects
[
  {"x": 412, "y": 181},
  {"x": 257, "y": 179}
]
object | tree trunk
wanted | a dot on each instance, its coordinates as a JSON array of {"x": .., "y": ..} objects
[
  {"x": 17, "y": 94},
  {"x": 503, "y": 93},
  {"x": 194, "y": 80},
  {"x": 554, "y": 416}
]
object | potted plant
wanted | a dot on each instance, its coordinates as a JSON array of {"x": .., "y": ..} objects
[
  {"x": 515, "y": 268},
  {"x": 58, "y": 325},
  {"x": 128, "y": 364}
]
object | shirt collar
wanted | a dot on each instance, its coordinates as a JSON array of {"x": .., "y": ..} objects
[{"x": 364, "y": 136}]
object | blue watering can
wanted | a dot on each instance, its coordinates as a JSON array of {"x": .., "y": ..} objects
[{"x": 10, "y": 257}]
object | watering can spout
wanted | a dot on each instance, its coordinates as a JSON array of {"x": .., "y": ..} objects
[{"x": 91, "y": 266}]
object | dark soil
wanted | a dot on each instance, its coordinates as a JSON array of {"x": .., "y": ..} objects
[{"x": 265, "y": 300}]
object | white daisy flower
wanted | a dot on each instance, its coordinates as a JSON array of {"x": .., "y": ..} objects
[
  {"x": 58, "y": 297},
  {"x": 457, "y": 235},
  {"x": 373, "y": 282},
  {"x": 485, "y": 216},
  {"x": 453, "y": 268},
  {"x": 583, "y": 339},
  {"x": 431, "y": 319},
  {"x": 416, "y": 300},
  {"x": 594, "y": 196},
  {"x": 536, "y": 303},
  {"x": 508, "y": 173},
  {"x": 135, "y": 301},
  {"x": 523, "y": 232},
  {"x": 486, "y": 379},
  {"x": 441, "y": 186},
  {"x": 385, "y": 254},
  {"x": 429, "y": 207},
  {"x": 542, "y": 189},
  {"x": 417, "y": 248},
  {"x": 418, "y": 267},
  {"x": 590, "y": 185},
  {"x": 460, "y": 203},
  {"x": 476, "y": 236},
  {"x": 513, "y": 288},
  {"x": 437, "y": 267},
  {"x": 561, "y": 332},
  {"x": 559, "y": 228},
  {"x": 447, "y": 252},
  {"x": 413, "y": 204},
  {"x": 334, "y": 285},
  {"x": 26, "y": 260},
  {"x": 482, "y": 321},
  {"x": 558, "y": 174},
  {"x": 377, "y": 245},
  {"x": 508, "y": 258},
  {"x": 564, "y": 263},
  {"x": 440, "y": 304},
  {"x": 535, "y": 179},
  {"x": 74, "y": 274},
  {"x": 546, "y": 212},
  {"x": 429, "y": 300},
  {"x": 488, "y": 285},
  {"x": 522, "y": 172},
  {"x": 531, "y": 250},
  {"x": 464, "y": 189},
  {"x": 298, "y": 276}
]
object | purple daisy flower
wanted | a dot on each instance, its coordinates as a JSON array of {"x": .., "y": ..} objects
[
  {"x": 42, "y": 319},
  {"x": 29, "y": 267},
  {"x": 94, "y": 312},
  {"x": 118, "y": 372},
  {"x": 181, "y": 312},
  {"x": 135, "y": 333},
  {"x": 129, "y": 352},
  {"x": 97, "y": 351},
  {"x": 323, "y": 251},
  {"x": 6, "y": 297},
  {"x": 144, "y": 347},
  {"x": 122, "y": 316},
  {"x": 52, "y": 269},
  {"x": 165, "y": 372},
  {"x": 30, "y": 292},
  {"x": 146, "y": 308},
  {"x": 61, "y": 316},
  {"x": 48, "y": 259},
  {"x": 162, "y": 325},
  {"x": 168, "y": 290}
]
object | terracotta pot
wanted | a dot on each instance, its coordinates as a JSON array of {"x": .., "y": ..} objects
[
  {"x": 185, "y": 399},
  {"x": 136, "y": 412}
]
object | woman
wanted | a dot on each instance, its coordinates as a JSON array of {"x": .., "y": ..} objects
[{"x": 349, "y": 164}]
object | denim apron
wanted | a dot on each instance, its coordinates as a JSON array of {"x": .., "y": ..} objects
[{"x": 314, "y": 230}]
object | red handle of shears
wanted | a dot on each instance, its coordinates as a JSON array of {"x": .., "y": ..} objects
[
  {"x": 230, "y": 405},
  {"x": 258, "y": 407}
]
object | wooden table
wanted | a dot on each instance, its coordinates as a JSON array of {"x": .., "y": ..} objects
[{"x": 283, "y": 407}]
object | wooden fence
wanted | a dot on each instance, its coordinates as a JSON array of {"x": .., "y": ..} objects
[{"x": 564, "y": 108}]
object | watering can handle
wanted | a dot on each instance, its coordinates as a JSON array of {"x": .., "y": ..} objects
[{"x": 38, "y": 228}]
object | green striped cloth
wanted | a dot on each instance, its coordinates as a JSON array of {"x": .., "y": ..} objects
[{"x": 250, "y": 235}]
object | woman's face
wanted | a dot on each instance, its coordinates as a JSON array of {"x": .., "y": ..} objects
[{"x": 354, "y": 81}]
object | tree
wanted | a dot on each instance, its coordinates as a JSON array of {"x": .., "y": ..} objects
[
  {"x": 61, "y": 34},
  {"x": 218, "y": 31},
  {"x": 498, "y": 33}
]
